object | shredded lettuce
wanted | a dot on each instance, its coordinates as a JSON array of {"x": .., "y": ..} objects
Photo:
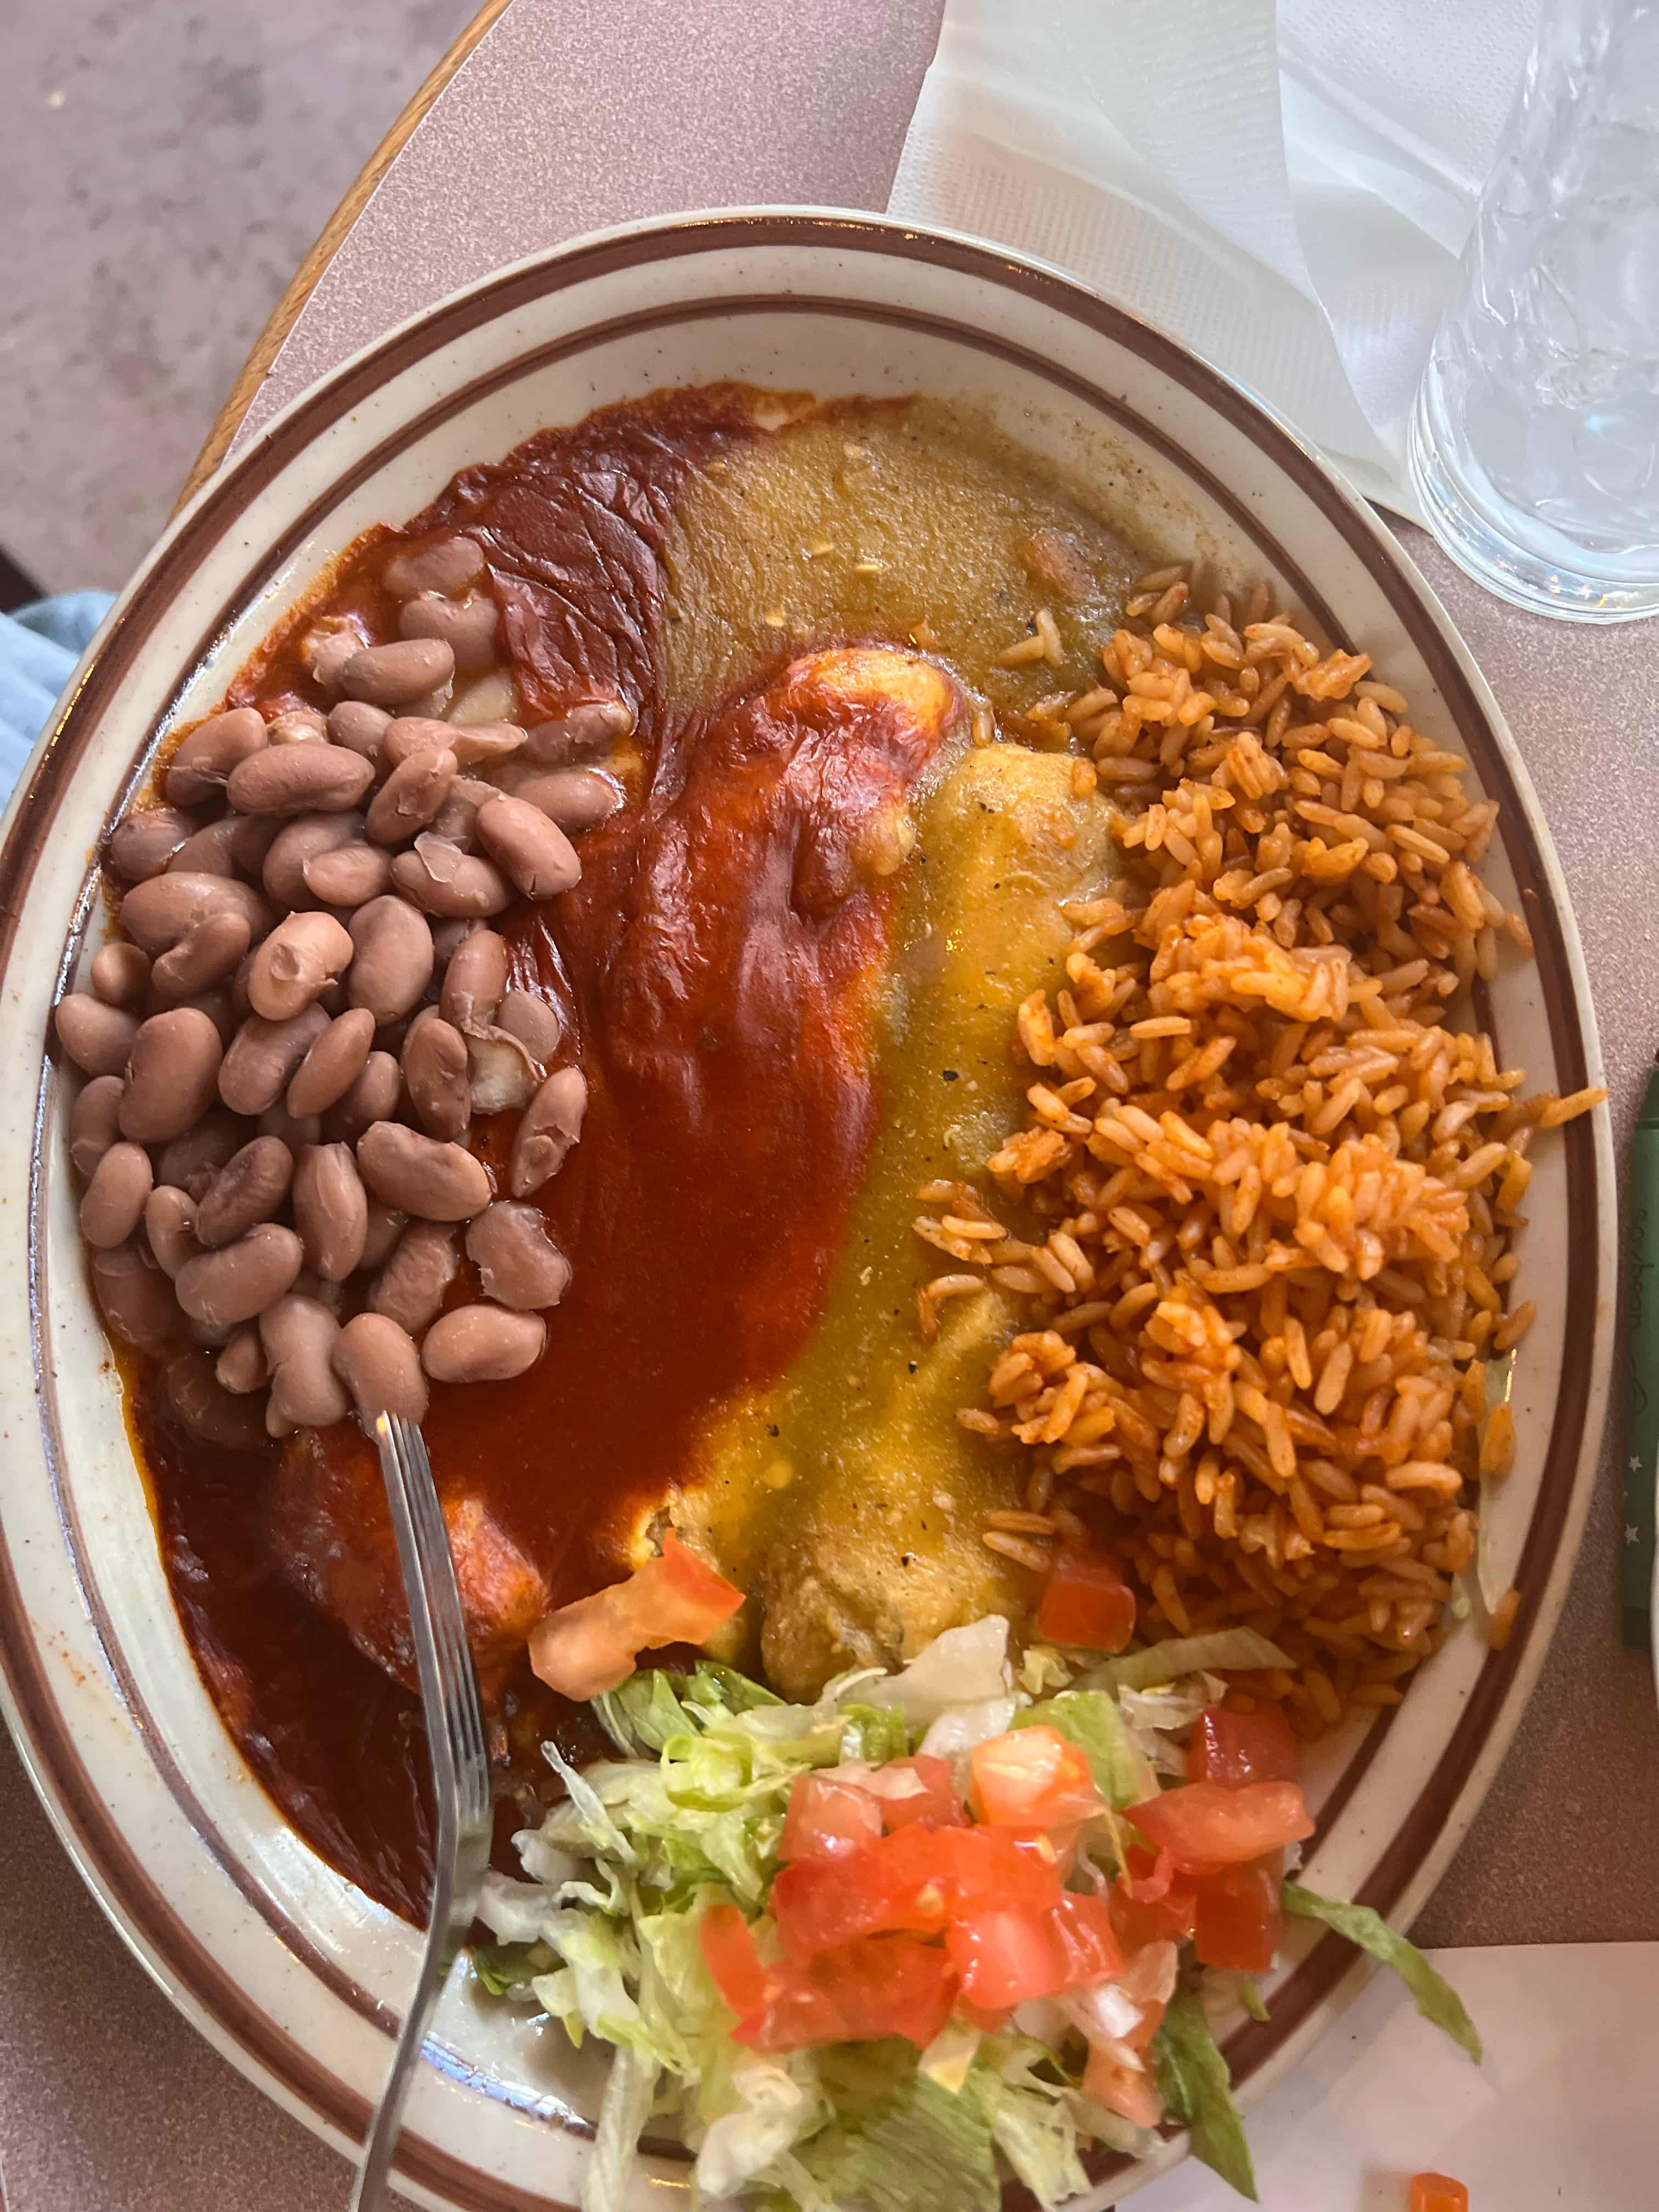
[
  {"x": 508, "y": 1969},
  {"x": 1089, "y": 1718},
  {"x": 1436, "y": 2000},
  {"x": 627, "y": 2098},
  {"x": 1196, "y": 2087},
  {"x": 962, "y": 1667},
  {"x": 922, "y": 2149},
  {"x": 1223, "y": 1651}
]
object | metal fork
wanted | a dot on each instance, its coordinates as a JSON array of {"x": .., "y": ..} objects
[{"x": 461, "y": 1771}]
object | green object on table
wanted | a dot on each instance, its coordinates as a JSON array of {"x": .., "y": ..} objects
[{"x": 1642, "y": 1382}]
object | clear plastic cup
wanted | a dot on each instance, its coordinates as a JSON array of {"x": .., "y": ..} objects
[{"x": 1535, "y": 442}]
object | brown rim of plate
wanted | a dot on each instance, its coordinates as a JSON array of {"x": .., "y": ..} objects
[{"x": 138, "y": 1907}]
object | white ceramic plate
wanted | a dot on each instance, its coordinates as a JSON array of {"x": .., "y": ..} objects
[{"x": 288, "y": 1970}]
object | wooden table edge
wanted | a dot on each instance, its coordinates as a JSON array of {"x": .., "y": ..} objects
[{"x": 286, "y": 313}]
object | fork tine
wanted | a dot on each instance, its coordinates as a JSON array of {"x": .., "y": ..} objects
[{"x": 455, "y": 1737}]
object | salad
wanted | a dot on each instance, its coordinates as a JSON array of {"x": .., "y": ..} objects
[{"x": 943, "y": 1928}]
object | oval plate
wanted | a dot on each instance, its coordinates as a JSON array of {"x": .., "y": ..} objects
[{"x": 288, "y": 1970}]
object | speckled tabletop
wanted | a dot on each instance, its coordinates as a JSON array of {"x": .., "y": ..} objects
[{"x": 569, "y": 115}]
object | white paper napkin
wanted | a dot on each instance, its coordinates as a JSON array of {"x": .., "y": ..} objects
[
  {"x": 1558, "y": 2119},
  {"x": 1285, "y": 192}
]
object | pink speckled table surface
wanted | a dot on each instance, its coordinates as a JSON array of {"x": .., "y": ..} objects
[{"x": 575, "y": 113}]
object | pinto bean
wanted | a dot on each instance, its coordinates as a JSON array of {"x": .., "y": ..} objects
[
  {"x": 203, "y": 764},
  {"x": 296, "y": 845},
  {"x": 114, "y": 1201},
  {"x": 95, "y": 1123},
  {"x": 441, "y": 879},
  {"x": 327, "y": 646},
  {"x": 96, "y": 1038},
  {"x": 141, "y": 845},
  {"x": 398, "y": 675},
  {"x": 348, "y": 875},
  {"x": 208, "y": 951},
  {"x": 173, "y": 1073},
  {"x": 359, "y": 727},
  {"x": 158, "y": 911},
  {"x": 333, "y": 1063},
  {"x": 577, "y": 798},
  {"x": 410, "y": 796},
  {"x": 134, "y": 1297},
  {"x": 120, "y": 976},
  {"x": 372, "y": 1098},
  {"x": 298, "y": 1335},
  {"x": 419, "y": 1175},
  {"x": 262, "y": 1057},
  {"x": 535, "y": 1024},
  {"x": 534, "y": 852},
  {"x": 300, "y": 780},
  {"x": 487, "y": 746},
  {"x": 220, "y": 1010},
  {"x": 207, "y": 1409},
  {"x": 394, "y": 958},
  {"x": 297, "y": 1131},
  {"x": 296, "y": 963},
  {"x": 456, "y": 821},
  {"x": 210, "y": 852},
  {"x": 481, "y": 1344},
  {"x": 251, "y": 840},
  {"x": 436, "y": 1077},
  {"x": 584, "y": 728},
  {"x": 409, "y": 1288},
  {"x": 241, "y": 1367},
  {"x": 249, "y": 1187},
  {"x": 450, "y": 566},
  {"x": 475, "y": 980},
  {"x": 385, "y": 1226},
  {"x": 503, "y": 1076},
  {"x": 518, "y": 1262},
  {"x": 170, "y": 1225},
  {"x": 378, "y": 1363},
  {"x": 238, "y": 1282},
  {"x": 331, "y": 1210},
  {"x": 466, "y": 626},
  {"x": 408, "y": 734},
  {"x": 552, "y": 1123},
  {"x": 297, "y": 725},
  {"x": 190, "y": 1162}
]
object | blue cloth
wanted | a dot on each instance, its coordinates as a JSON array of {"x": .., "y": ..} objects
[{"x": 39, "y": 646}]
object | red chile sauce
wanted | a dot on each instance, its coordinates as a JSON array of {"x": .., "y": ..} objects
[{"x": 715, "y": 968}]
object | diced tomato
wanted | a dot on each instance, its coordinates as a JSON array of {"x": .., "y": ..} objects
[
  {"x": 889, "y": 1986},
  {"x": 1007, "y": 1954},
  {"x": 911, "y": 1880},
  {"x": 880, "y": 1985},
  {"x": 828, "y": 1819},
  {"x": 1122, "y": 2088},
  {"x": 590, "y": 1645},
  {"x": 934, "y": 1805},
  {"x": 1085, "y": 1601},
  {"x": 1150, "y": 1903},
  {"x": 730, "y": 1954},
  {"x": 1088, "y": 1939},
  {"x": 1438, "y": 2193},
  {"x": 1204, "y": 1826},
  {"x": 1234, "y": 1749},
  {"x": 1239, "y": 1924},
  {"x": 993, "y": 1866},
  {"x": 1032, "y": 1778}
]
